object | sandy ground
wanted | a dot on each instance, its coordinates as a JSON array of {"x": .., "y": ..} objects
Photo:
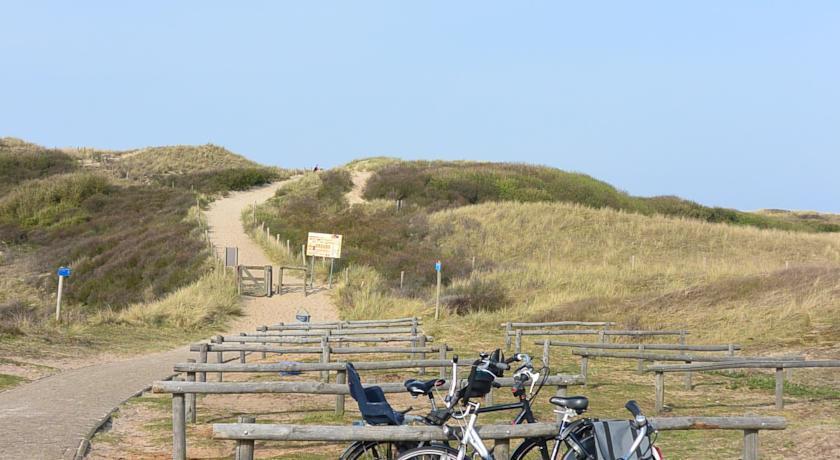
[
  {"x": 360, "y": 178},
  {"x": 226, "y": 231}
]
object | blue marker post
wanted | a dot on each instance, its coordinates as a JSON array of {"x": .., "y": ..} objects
[
  {"x": 437, "y": 295},
  {"x": 63, "y": 272}
]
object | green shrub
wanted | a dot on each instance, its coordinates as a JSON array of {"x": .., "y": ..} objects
[
  {"x": 53, "y": 201},
  {"x": 476, "y": 295},
  {"x": 220, "y": 181},
  {"x": 20, "y": 162}
]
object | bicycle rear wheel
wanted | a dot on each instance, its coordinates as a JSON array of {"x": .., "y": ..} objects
[
  {"x": 371, "y": 450},
  {"x": 430, "y": 453}
]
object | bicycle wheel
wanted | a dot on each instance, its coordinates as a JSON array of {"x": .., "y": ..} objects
[
  {"x": 540, "y": 449},
  {"x": 430, "y": 453},
  {"x": 371, "y": 450}
]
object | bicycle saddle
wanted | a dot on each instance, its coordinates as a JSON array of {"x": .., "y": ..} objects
[
  {"x": 421, "y": 387},
  {"x": 576, "y": 403}
]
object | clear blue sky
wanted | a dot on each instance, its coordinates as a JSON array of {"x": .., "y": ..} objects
[{"x": 732, "y": 103}]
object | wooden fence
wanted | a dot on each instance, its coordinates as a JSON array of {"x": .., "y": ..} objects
[
  {"x": 254, "y": 280},
  {"x": 285, "y": 268},
  {"x": 326, "y": 350},
  {"x": 245, "y": 434},
  {"x": 603, "y": 335},
  {"x": 643, "y": 357},
  {"x": 183, "y": 395},
  {"x": 779, "y": 366},
  {"x": 510, "y": 327}
]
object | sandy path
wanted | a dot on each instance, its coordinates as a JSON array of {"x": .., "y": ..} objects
[
  {"x": 360, "y": 178},
  {"x": 48, "y": 418},
  {"x": 227, "y": 231}
]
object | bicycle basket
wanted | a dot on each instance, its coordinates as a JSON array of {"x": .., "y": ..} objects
[{"x": 613, "y": 438}]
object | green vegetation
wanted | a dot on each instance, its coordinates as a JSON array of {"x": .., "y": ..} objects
[
  {"x": 383, "y": 237},
  {"x": 440, "y": 185},
  {"x": 130, "y": 243},
  {"x": 20, "y": 161},
  {"x": 8, "y": 381}
]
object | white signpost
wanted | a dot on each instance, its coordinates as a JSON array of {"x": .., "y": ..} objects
[
  {"x": 326, "y": 245},
  {"x": 62, "y": 272}
]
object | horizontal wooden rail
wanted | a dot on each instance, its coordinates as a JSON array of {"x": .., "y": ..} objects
[
  {"x": 778, "y": 365},
  {"x": 335, "y": 338},
  {"x": 647, "y": 346},
  {"x": 335, "y": 326},
  {"x": 246, "y": 433},
  {"x": 596, "y": 332},
  {"x": 319, "y": 388},
  {"x": 310, "y": 367},
  {"x": 758, "y": 363},
  {"x": 356, "y": 331},
  {"x": 643, "y": 357},
  {"x": 281, "y": 339},
  {"x": 560, "y": 324}
]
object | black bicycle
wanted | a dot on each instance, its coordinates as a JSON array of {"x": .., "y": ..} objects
[{"x": 376, "y": 410}]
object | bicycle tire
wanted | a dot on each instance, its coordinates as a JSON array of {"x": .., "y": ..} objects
[
  {"x": 541, "y": 448},
  {"x": 430, "y": 453},
  {"x": 371, "y": 450}
]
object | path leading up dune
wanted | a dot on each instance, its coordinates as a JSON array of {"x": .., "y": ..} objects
[{"x": 48, "y": 418}]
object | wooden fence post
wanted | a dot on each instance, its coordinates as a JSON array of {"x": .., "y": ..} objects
[
  {"x": 546, "y": 346},
  {"x": 179, "y": 427},
  {"x": 561, "y": 392},
  {"x": 660, "y": 392},
  {"x": 602, "y": 337},
  {"x": 507, "y": 335},
  {"x": 780, "y": 388},
  {"x": 242, "y": 353},
  {"x": 442, "y": 356},
  {"x": 517, "y": 347},
  {"x": 341, "y": 379},
  {"x": 501, "y": 449},
  {"x": 641, "y": 366},
  {"x": 325, "y": 358},
  {"x": 190, "y": 398},
  {"x": 220, "y": 356},
  {"x": 584, "y": 369},
  {"x": 687, "y": 379},
  {"x": 750, "y": 444},
  {"x": 422, "y": 342},
  {"x": 245, "y": 447},
  {"x": 202, "y": 358}
]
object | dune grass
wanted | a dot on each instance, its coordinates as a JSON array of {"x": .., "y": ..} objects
[{"x": 444, "y": 184}]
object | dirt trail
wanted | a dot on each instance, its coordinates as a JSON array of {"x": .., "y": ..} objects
[
  {"x": 48, "y": 418},
  {"x": 360, "y": 178}
]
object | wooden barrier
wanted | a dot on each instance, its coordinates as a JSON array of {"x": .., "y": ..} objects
[
  {"x": 351, "y": 331},
  {"x": 779, "y": 366},
  {"x": 642, "y": 357},
  {"x": 511, "y": 326},
  {"x": 603, "y": 335},
  {"x": 283, "y": 269},
  {"x": 403, "y": 322},
  {"x": 246, "y": 434},
  {"x": 179, "y": 390}
]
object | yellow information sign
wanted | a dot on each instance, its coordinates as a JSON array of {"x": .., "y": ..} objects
[{"x": 323, "y": 245}]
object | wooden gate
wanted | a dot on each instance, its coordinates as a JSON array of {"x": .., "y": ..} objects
[{"x": 254, "y": 280}]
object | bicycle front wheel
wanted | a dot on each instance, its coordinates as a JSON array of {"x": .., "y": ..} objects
[{"x": 430, "y": 453}]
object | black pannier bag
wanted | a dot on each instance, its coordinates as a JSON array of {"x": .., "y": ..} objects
[
  {"x": 613, "y": 438},
  {"x": 482, "y": 375}
]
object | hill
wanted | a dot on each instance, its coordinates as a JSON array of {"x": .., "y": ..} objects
[
  {"x": 439, "y": 185},
  {"x": 126, "y": 222}
]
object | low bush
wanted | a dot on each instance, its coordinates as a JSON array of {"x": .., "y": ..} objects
[
  {"x": 20, "y": 162},
  {"x": 476, "y": 295},
  {"x": 211, "y": 182}
]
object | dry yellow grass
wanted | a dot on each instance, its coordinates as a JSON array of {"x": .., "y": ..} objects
[
  {"x": 208, "y": 302},
  {"x": 724, "y": 282},
  {"x": 181, "y": 159}
]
